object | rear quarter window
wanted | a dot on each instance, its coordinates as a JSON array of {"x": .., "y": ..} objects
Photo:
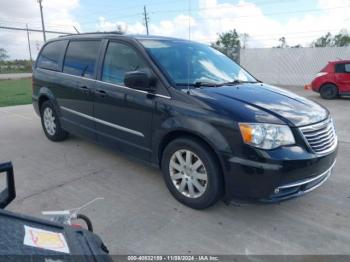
[
  {"x": 50, "y": 56},
  {"x": 81, "y": 57}
]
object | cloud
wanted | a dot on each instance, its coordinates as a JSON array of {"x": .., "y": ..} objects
[
  {"x": 16, "y": 13},
  {"x": 105, "y": 25},
  {"x": 247, "y": 17}
]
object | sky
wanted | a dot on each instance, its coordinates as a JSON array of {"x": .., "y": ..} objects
[{"x": 265, "y": 21}]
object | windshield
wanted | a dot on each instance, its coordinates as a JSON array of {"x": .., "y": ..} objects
[{"x": 190, "y": 63}]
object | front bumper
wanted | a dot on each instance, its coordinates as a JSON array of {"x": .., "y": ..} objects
[
  {"x": 276, "y": 176},
  {"x": 299, "y": 188}
]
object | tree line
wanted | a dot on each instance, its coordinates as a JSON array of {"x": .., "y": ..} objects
[
  {"x": 13, "y": 66},
  {"x": 233, "y": 40}
]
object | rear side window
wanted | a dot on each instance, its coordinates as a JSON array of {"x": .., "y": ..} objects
[
  {"x": 50, "y": 56},
  {"x": 81, "y": 57},
  {"x": 119, "y": 60},
  {"x": 347, "y": 68}
]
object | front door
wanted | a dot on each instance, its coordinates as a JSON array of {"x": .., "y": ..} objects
[{"x": 123, "y": 116}]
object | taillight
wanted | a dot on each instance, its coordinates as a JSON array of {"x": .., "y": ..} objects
[{"x": 321, "y": 74}]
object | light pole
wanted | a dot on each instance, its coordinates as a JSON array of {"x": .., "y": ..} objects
[
  {"x": 146, "y": 19},
  {"x": 30, "y": 49},
  {"x": 42, "y": 19}
]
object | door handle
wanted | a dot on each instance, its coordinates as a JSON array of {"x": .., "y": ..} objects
[
  {"x": 101, "y": 93},
  {"x": 85, "y": 89}
]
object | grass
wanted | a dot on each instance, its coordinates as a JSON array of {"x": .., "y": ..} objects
[{"x": 15, "y": 92}]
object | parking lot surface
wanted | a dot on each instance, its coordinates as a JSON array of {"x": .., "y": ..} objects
[
  {"x": 14, "y": 76},
  {"x": 139, "y": 216}
]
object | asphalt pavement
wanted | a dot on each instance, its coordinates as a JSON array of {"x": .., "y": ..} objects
[{"x": 15, "y": 76}]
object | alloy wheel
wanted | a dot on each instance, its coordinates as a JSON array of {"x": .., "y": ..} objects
[
  {"x": 188, "y": 173},
  {"x": 49, "y": 121}
]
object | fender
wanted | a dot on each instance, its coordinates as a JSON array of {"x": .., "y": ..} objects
[{"x": 196, "y": 127}]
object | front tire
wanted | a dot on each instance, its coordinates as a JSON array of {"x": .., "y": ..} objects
[
  {"x": 51, "y": 123},
  {"x": 329, "y": 91},
  {"x": 191, "y": 173}
]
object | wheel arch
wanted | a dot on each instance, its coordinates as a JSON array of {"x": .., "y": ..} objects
[
  {"x": 175, "y": 134},
  {"x": 45, "y": 94},
  {"x": 329, "y": 83},
  {"x": 41, "y": 100}
]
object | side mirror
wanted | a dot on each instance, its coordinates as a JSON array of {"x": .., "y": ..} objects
[
  {"x": 140, "y": 80},
  {"x": 7, "y": 184}
]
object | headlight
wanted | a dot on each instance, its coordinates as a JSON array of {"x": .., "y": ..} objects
[{"x": 266, "y": 136}]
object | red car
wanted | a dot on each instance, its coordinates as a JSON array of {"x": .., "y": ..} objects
[{"x": 333, "y": 80}]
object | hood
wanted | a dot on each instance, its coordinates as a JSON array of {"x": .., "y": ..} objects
[{"x": 289, "y": 107}]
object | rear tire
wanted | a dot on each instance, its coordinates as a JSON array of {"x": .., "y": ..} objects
[
  {"x": 191, "y": 173},
  {"x": 51, "y": 123},
  {"x": 329, "y": 91}
]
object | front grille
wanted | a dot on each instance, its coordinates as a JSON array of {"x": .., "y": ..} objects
[{"x": 321, "y": 137}]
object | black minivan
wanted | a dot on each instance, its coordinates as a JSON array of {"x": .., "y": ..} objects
[{"x": 215, "y": 131}]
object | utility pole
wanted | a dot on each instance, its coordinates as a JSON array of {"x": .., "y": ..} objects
[
  {"x": 244, "y": 39},
  {"x": 30, "y": 49},
  {"x": 146, "y": 17},
  {"x": 42, "y": 19},
  {"x": 76, "y": 30},
  {"x": 189, "y": 19}
]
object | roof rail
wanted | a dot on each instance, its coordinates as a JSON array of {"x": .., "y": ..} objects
[{"x": 95, "y": 33}]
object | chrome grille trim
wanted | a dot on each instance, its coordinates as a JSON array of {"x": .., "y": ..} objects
[
  {"x": 315, "y": 133},
  {"x": 320, "y": 137},
  {"x": 324, "y": 136},
  {"x": 326, "y": 173},
  {"x": 322, "y": 145}
]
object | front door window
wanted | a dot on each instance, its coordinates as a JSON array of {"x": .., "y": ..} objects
[{"x": 119, "y": 60}]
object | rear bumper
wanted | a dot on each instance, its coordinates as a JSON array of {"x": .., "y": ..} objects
[
  {"x": 35, "y": 102},
  {"x": 288, "y": 173}
]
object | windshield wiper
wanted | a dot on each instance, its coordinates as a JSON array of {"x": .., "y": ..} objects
[
  {"x": 209, "y": 84},
  {"x": 199, "y": 84},
  {"x": 237, "y": 81}
]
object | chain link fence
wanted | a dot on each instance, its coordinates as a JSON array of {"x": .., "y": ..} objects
[{"x": 20, "y": 48}]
